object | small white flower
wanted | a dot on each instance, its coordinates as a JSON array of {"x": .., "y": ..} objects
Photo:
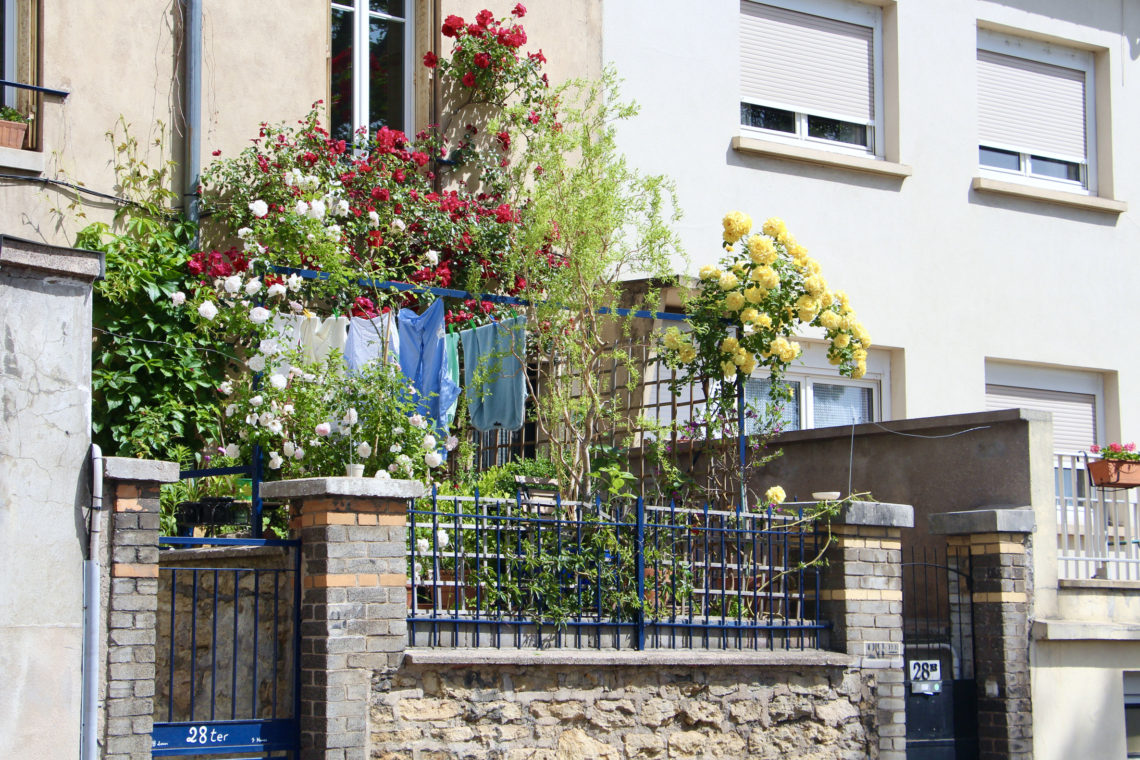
[
  {"x": 442, "y": 538},
  {"x": 256, "y": 401},
  {"x": 269, "y": 346},
  {"x": 265, "y": 418},
  {"x": 395, "y": 448},
  {"x": 232, "y": 284},
  {"x": 275, "y": 427},
  {"x": 178, "y": 298},
  {"x": 207, "y": 310},
  {"x": 383, "y": 475},
  {"x": 451, "y": 443},
  {"x": 342, "y": 207},
  {"x": 275, "y": 461},
  {"x": 227, "y": 387},
  {"x": 288, "y": 448},
  {"x": 433, "y": 257},
  {"x": 244, "y": 232},
  {"x": 251, "y": 420},
  {"x": 364, "y": 450},
  {"x": 429, "y": 441},
  {"x": 417, "y": 420},
  {"x": 398, "y": 225},
  {"x": 252, "y": 287},
  {"x": 350, "y": 417},
  {"x": 277, "y": 381},
  {"x": 324, "y": 429},
  {"x": 230, "y": 410},
  {"x": 287, "y": 409},
  {"x": 256, "y": 363},
  {"x": 393, "y": 467},
  {"x": 301, "y": 208},
  {"x": 317, "y": 210},
  {"x": 296, "y": 307},
  {"x": 259, "y": 315},
  {"x": 259, "y": 208},
  {"x": 398, "y": 431},
  {"x": 373, "y": 218},
  {"x": 299, "y": 453},
  {"x": 243, "y": 435},
  {"x": 422, "y": 545},
  {"x": 233, "y": 450},
  {"x": 334, "y": 231},
  {"x": 275, "y": 290},
  {"x": 294, "y": 282},
  {"x": 404, "y": 460},
  {"x": 433, "y": 459}
]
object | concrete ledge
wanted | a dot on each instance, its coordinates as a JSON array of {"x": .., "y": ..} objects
[
  {"x": 1084, "y": 630},
  {"x": 364, "y": 487},
  {"x": 84, "y": 265},
  {"x": 125, "y": 468},
  {"x": 950, "y": 423},
  {"x": 877, "y": 514},
  {"x": 1098, "y": 584},
  {"x": 1009, "y": 520},
  {"x": 174, "y": 556},
  {"x": 1029, "y": 192},
  {"x": 22, "y": 160},
  {"x": 615, "y": 658},
  {"x": 776, "y": 149}
]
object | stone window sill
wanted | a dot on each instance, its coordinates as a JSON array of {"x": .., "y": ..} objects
[
  {"x": 773, "y": 149},
  {"x": 1076, "y": 200},
  {"x": 1099, "y": 584},
  {"x": 655, "y": 658},
  {"x": 22, "y": 160}
]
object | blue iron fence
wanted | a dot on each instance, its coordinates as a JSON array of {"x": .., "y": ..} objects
[
  {"x": 228, "y": 645},
  {"x": 551, "y": 573}
]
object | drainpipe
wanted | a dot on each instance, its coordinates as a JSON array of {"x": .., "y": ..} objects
[
  {"x": 89, "y": 747},
  {"x": 192, "y": 107}
]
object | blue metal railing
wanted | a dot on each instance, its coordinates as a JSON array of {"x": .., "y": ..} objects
[{"x": 549, "y": 573}]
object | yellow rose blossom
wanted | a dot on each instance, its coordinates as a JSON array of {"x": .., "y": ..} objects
[
  {"x": 728, "y": 281},
  {"x": 766, "y": 277},
  {"x": 739, "y": 356},
  {"x": 763, "y": 321},
  {"x": 860, "y": 332},
  {"x": 749, "y": 365},
  {"x": 859, "y": 371},
  {"x": 775, "y": 227},
  {"x": 709, "y": 272},
  {"x": 834, "y": 359},
  {"x": 827, "y": 299},
  {"x": 672, "y": 339},
  {"x": 729, "y": 344},
  {"x": 846, "y": 321},
  {"x": 755, "y": 294},
  {"x": 841, "y": 340},
  {"x": 829, "y": 319},
  {"x": 795, "y": 250},
  {"x": 815, "y": 284},
  {"x": 748, "y": 315},
  {"x": 687, "y": 354},
  {"x": 775, "y": 495},
  {"x": 762, "y": 250},
  {"x": 860, "y": 354},
  {"x": 736, "y": 225},
  {"x": 734, "y": 301},
  {"x": 728, "y": 367}
]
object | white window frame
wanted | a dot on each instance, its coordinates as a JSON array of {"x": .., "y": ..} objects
[
  {"x": 852, "y": 13},
  {"x": 360, "y": 45},
  {"x": 1057, "y": 55}
]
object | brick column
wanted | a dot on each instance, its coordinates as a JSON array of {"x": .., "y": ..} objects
[
  {"x": 862, "y": 598},
  {"x": 999, "y": 567},
  {"x": 353, "y": 601},
  {"x": 129, "y": 558}
]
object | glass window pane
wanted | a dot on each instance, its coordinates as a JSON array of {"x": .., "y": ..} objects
[
  {"x": 841, "y": 404},
  {"x": 787, "y": 411},
  {"x": 999, "y": 159},
  {"x": 391, "y": 7},
  {"x": 1049, "y": 167},
  {"x": 385, "y": 74},
  {"x": 340, "y": 109},
  {"x": 762, "y": 117},
  {"x": 1132, "y": 729},
  {"x": 837, "y": 131}
]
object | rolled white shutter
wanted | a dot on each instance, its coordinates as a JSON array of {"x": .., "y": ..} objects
[
  {"x": 806, "y": 63},
  {"x": 1031, "y": 107},
  {"x": 1074, "y": 414}
]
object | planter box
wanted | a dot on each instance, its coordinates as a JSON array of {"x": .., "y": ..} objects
[
  {"x": 12, "y": 134},
  {"x": 1115, "y": 473}
]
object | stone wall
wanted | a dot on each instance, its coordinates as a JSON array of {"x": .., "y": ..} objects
[{"x": 560, "y": 710}]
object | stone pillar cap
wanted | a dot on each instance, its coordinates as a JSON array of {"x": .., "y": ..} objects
[
  {"x": 374, "y": 488},
  {"x": 999, "y": 520},
  {"x": 126, "y": 468},
  {"x": 876, "y": 513}
]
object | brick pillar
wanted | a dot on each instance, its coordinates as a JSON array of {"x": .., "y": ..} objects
[
  {"x": 353, "y": 601},
  {"x": 999, "y": 567},
  {"x": 861, "y": 596},
  {"x": 129, "y": 560}
]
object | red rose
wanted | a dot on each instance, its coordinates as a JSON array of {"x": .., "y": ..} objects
[
  {"x": 504, "y": 140},
  {"x": 420, "y": 158},
  {"x": 430, "y": 59},
  {"x": 537, "y": 57},
  {"x": 484, "y": 17},
  {"x": 482, "y": 60},
  {"x": 475, "y": 30},
  {"x": 451, "y": 26},
  {"x": 519, "y": 11},
  {"x": 468, "y": 79},
  {"x": 218, "y": 152},
  {"x": 534, "y": 118},
  {"x": 375, "y": 240}
]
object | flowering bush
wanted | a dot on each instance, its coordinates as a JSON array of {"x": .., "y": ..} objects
[{"x": 1123, "y": 452}]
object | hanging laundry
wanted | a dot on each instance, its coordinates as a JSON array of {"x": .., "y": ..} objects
[
  {"x": 493, "y": 374},
  {"x": 320, "y": 336},
  {"x": 451, "y": 349},
  {"x": 423, "y": 362},
  {"x": 367, "y": 339}
]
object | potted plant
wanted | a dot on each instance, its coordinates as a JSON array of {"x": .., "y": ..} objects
[
  {"x": 1118, "y": 466},
  {"x": 13, "y": 125}
]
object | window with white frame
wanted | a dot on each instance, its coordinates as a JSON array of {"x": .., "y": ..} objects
[
  {"x": 1132, "y": 712},
  {"x": 18, "y": 55},
  {"x": 1036, "y": 112},
  {"x": 811, "y": 73},
  {"x": 370, "y": 69}
]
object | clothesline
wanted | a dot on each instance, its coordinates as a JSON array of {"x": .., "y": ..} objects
[{"x": 309, "y": 274}]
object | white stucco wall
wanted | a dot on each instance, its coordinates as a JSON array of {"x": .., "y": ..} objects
[{"x": 949, "y": 275}]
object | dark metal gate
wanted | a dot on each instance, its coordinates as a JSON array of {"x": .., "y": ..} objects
[
  {"x": 938, "y": 638},
  {"x": 227, "y": 652}
]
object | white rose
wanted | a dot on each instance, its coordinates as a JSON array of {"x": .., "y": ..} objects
[
  {"x": 296, "y": 307},
  {"x": 269, "y": 346},
  {"x": 277, "y": 381},
  {"x": 274, "y": 427},
  {"x": 323, "y": 429},
  {"x": 422, "y": 545},
  {"x": 417, "y": 420},
  {"x": 317, "y": 210},
  {"x": 451, "y": 443},
  {"x": 259, "y": 208},
  {"x": 256, "y": 401},
  {"x": 232, "y": 284},
  {"x": 244, "y": 232},
  {"x": 233, "y": 450},
  {"x": 383, "y": 475},
  {"x": 433, "y": 459},
  {"x": 275, "y": 461},
  {"x": 334, "y": 231},
  {"x": 288, "y": 448},
  {"x": 342, "y": 208},
  {"x": 398, "y": 431},
  {"x": 299, "y": 453},
  {"x": 287, "y": 409},
  {"x": 227, "y": 387},
  {"x": 433, "y": 257},
  {"x": 275, "y": 290},
  {"x": 364, "y": 450},
  {"x": 350, "y": 417},
  {"x": 230, "y": 410},
  {"x": 294, "y": 281},
  {"x": 395, "y": 448},
  {"x": 429, "y": 441},
  {"x": 393, "y": 467},
  {"x": 243, "y": 435},
  {"x": 259, "y": 315},
  {"x": 207, "y": 310},
  {"x": 178, "y": 298},
  {"x": 398, "y": 225},
  {"x": 256, "y": 363},
  {"x": 373, "y": 218},
  {"x": 442, "y": 538},
  {"x": 252, "y": 287},
  {"x": 301, "y": 208},
  {"x": 251, "y": 420}
]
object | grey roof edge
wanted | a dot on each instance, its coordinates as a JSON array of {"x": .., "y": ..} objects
[
  {"x": 619, "y": 658},
  {"x": 877, "y": 513},
  {"x": 362, "y": 487},
  {"x": 126, "y": 468},
  {"x": 54, "y": 259},
  {"x": 993, "y": 520}
]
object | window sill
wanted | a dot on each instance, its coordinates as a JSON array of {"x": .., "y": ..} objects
[
  {"x": 1076, "y": 200},
  {"x": 807, "y": 155},
  {"x": 22, "y": 160}
]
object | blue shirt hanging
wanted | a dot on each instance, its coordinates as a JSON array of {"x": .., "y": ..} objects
[
  {"x": 423, "y": 362},
  {"x": 493, "y": 374}
]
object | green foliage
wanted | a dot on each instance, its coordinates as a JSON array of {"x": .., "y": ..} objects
[
  {"x": 498, "y": 482},
  {"x": 7, "y": 113},
  {"x": 152, "y": 378}
]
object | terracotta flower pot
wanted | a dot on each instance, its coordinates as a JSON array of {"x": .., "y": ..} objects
[
  {"x": 12, "y": 134},
  {"x": 1115, "y": 473}
]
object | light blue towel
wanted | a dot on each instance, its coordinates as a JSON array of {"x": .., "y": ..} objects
[
  {"x": 451, "y": 347},
  {"x": 491, "y": 353},
  {"x": 366, "y": 340},
  {"x": 423, "y": 362}
]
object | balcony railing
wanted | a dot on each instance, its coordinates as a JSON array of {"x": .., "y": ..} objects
[{"x": 1098, "y": 529}]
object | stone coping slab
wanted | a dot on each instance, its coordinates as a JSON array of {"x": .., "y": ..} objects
[
  {"x": 1084, "y": 630},
  {"x": 877, "y": 513},
  {"x": 126, "y": 468},
  {"x": 617, "y": 658},
  {"x": 52, "y": 259},
  {"x": 1000, "y": 520},
  {"x": 364, "y": 487}
]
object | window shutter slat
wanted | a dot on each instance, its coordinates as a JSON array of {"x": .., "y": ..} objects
[
  {"x": 1030, "y": 106},
  {"x": 806, "y": 63},
  {"x": 1074, "y": 414}
]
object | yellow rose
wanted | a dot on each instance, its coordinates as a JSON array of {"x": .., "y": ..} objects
[
  {"x": 762, "y": 250},
  {"x": 815, "y": 285},
  {"x": 766, "y": 276},
  {"x": 672, "y": 339},
  {"x": 736, "y": 225},
  {"x": 749, "y": 315},
  {"x": 729, "y": 369},
  {"x": 860, "y": 370},
  {"x": 827, "y": 299},
  {"x": 834, "y": 359},
  {"x": 829, "y": 319},
  {"x": 687, "y": 354},
  {"x": 709, "y": 272},
  {"x": 775, "y": 495},
  {"x": 739, "y": 356},
  {"x": 749, "y": 365},
  {"x": 860, "y": 354},
  {"x": 734, "y": 301},
  {"x": 764, "y": 321},
  {"x": 755, "y": 294},
  {"x": 729, "y": 344},
  {"x": 775, "y": 227},
  {"x": 861, "y": 333},
  {"x": 728, "y": 281},
  {"x": 841, "y": 340},
  {"x": 795, "y": 250}
]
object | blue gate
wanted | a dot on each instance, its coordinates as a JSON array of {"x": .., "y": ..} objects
[{"x": 228, "y": 646}]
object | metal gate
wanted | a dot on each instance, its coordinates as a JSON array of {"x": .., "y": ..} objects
[
  {"x": 938, "y": 638},
  {"x": 227, "y": 652}
]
